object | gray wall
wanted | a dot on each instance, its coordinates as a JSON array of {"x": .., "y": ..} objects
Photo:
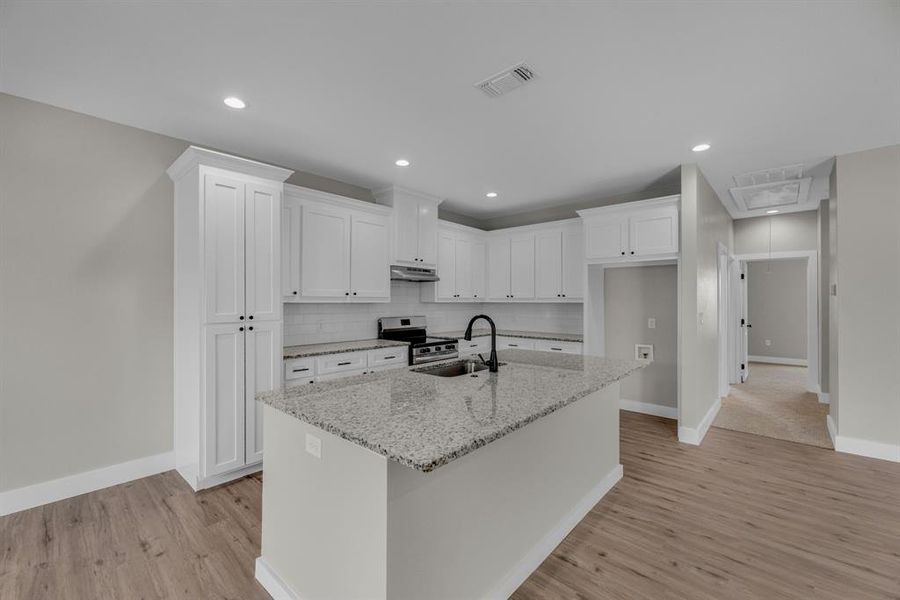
[
  {"x": 86, "y": 240},
  {"x": 868, "y": 270},
  {"x": 833, "y": 316},
  {"x": 790, "y": 232},
  {"x": 704, "y": 224},
  {"x": 631, "y": 296},
  {"x": 776, "y": 293},
  {"x": 824, "y": 308}
]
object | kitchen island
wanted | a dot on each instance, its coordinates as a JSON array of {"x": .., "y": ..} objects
[{"x": 404, "y": 484}]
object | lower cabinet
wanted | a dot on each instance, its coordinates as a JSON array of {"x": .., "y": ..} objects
[
  {"x": 312, "y": 369},
  {"x": 241, "y": 360}
]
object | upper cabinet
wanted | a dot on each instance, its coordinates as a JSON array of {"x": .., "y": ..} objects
[
  {"x": 414, "y": 225},
  {"x": 645, "y": 230},
  {"x": 559, "y": 263},
  {"x": 337, "y": 250},
  {"x": 461, "y": 257}
]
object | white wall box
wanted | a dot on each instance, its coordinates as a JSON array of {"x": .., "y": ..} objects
[
  {"x": 414, "y": 226},
  {"x": 632, "y": 231},
  {"x": 461, "y": 265},
  {"x": 337, "y": 249},
  {"x": 228, "y": 317}
]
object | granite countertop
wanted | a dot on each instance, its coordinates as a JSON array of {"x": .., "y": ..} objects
[
  {"x": 534, "y": 335},
  {"x": 424, "y": 421},
  {"x": 338, "y": 348}
]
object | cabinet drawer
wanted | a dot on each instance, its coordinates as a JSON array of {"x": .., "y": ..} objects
[
  {"x": 475, "y": 346},
  {"x": 341, "y": 374},
  {"x": 299, "y": 368},
  {"x": 396, "y": 356},
  {"x": 553, "y": 346},
  {"x": 338, "y": 363},
  {"x": 504, "y": 343}
]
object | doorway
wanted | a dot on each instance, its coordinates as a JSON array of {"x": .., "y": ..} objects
[{"x": 773, "y": 349}]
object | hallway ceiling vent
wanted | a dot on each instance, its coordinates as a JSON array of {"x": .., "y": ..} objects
[
  {"x": 770, "y": 188},
  {"x": 507, "y": 80}
]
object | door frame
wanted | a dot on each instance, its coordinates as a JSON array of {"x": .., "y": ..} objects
[
  {"x": 723, "y": 264},
  {"x": 812, "y": 306}
]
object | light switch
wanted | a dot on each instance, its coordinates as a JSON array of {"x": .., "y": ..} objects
[
  {"x": 314, "y": 445},
  {"x": 651, "y": 323}
]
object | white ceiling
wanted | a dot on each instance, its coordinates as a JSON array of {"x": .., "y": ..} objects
[{"x": 343, "y": 89}]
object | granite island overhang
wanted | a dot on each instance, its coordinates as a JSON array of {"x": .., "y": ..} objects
[{"x": 435, "y": 487}]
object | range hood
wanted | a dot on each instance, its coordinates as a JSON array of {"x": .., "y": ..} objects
[{"x": 401, "y": 273}]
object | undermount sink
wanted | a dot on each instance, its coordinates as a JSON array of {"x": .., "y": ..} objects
[{"x": 453, "y": 369}]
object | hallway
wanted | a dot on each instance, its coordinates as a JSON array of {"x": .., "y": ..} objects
[{"x": 774, "y": 403}]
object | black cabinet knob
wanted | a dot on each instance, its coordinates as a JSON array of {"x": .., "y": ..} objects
[
  {"x": 346, "y": 293},
  {"x": 623, "y": 253},
  {"x": 250, "y": 317},
  {"x": 295, "y": 293},
  {"x": 240, "y": 328},
  {"x": 250, "y": 328},
  {"x": 354, "y": 293},
  {"x": 241, "y": 317},
  {"x": 632, "y": 251}
]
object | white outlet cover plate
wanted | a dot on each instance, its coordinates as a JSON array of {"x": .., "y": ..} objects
[{"x": 314, "y": 445}]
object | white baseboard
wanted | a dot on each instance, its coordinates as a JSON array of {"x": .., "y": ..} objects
[
  {"x": 648, "y": 408},
  {"x": 533, "y": 559},
  {"x": 198, "y": 484},
  {"x": 777, "y": 360},
  {"x": 82, "y": 483},
  {"x": 832, "y": 430},
  {"x": 824, "y": 398},
  {"x": 691, "y": 435},
  {"x": 860, "y": 447},
  {"x": 272, "y": 583}
]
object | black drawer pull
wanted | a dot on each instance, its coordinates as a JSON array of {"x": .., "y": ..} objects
[
  {"x": 557, "y": 349},
  {"x": 343, "y": 364},
  {"x": 388, "y": 357},
  {"x": 301, "y": 370},
  {"x": 513, "y": 345}
]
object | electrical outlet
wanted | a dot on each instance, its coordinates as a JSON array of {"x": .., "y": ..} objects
[
  {"x": 314, "y": 445},
  {"x": 651, "y": 323},
  {"x": 768, "y": 342}
]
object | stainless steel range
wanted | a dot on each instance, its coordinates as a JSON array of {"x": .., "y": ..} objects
[{"x": 422, "y": 347}]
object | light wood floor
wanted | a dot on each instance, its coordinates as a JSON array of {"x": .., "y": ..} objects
[{"x": 742, "y": 516}]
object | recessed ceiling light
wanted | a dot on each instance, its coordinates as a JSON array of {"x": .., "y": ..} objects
[
  {"x": 771, "y": 212},
  {"x": 401, "y": 162},
  {"x": 234, "y": 102},
  {"x": 701, "y": 148},
  {"x": 491, "y": 194}
]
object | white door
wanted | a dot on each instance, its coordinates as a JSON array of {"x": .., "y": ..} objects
[
  {"x": 223, "y": 238},
  {"x": 653, "y": 232},
  {"x": 428, "y": 232},
  {"x": 463, "y": 269},
  {"x": 548, "y": 264},
  {"x": 290, "y": 249},
  {"x": 573, "y": 263},
  {"x": 606, "y": 237},
  {"x": 223, "y": 399},
  {"x": 406, "y": 237},
  {"x": 446, "y": 267},
  {"x": 263, "y": 361},
  {"x": 262, "y": 245},
  {"x": 498, "y": 268},
  {"x": 370, "y": 276},
  {"x": 479, "y": 268},
  {"x": 325, "y": 252},
  {"x": 521, "y": 266}
]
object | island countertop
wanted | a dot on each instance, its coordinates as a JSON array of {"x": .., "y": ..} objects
[{"x": 424, "y": 421}]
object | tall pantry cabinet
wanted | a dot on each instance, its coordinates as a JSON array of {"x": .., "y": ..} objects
[{"x": 228, "y": 311}]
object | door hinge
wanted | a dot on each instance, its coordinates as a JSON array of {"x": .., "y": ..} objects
[
  {"x": 742, "y": 275},
  {"x": 742, "y": 366},
  {"x": 742, "y": 322}
]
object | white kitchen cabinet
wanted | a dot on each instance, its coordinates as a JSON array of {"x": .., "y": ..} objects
[
  {"x": 324, "y": 252},
  {"x": 559, "y": 260},
  {"x": 479, "y": 270},
  {"x": 290, "y": 248},
  {"x": 573, "y": 263},
  {"x": 262, "y": 356},
  {"x": 445, "y": 287},
  {"x": 498, "y": 268},
  {"x": 521, "y": 266},
  {"x": 632, "y": 231},
  {"x": 369, "y": 257},
  {"x": 414, "y": 225},
  {"x": 556, "y": 346},
  {"x": 228, "y": 310},
  {"x": 477, "y": 345},
  {"x": 514, "y": 343},
  {"x": 345, "y": 361},
  {"x": 299, "y": 370},
  {"x": 460, "y": 266}
]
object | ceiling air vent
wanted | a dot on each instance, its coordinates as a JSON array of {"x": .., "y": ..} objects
[
  {"x": 771, "y": 188},
  {"x": 506, "y": 80}
]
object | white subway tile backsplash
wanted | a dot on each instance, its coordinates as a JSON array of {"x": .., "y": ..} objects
[{"x": 319, "y": 323}]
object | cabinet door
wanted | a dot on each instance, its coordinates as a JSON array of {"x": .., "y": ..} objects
[
  {"x": 548, "y": 264},
  {"x": 446, "y": 267},
  {"x": 263, "y": 361},
  {"x": 262, "y": 245},
  {"x": 290, "y": 249},
  {"x": 521, "y": 266},
  {"x": 653, "y": 232},
  {"x": 463, "y": 269},
  {"x": 479, "y": 268},
  {"x": 573, "y": 263},
  {"x": 223, "y": 240},
  {"x": 406, "y": 230},
  {"x": 428, "y": 233},
  {"x": 325, "y": 252},
  {"x": 498, "y": 268},
  {"x": 606, "y": 237},
  {"x": 224, "y": 389},
  {"x": 370, "y": 275}
]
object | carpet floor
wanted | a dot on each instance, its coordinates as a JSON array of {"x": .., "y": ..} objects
[{"x": 774, "y": 402}]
